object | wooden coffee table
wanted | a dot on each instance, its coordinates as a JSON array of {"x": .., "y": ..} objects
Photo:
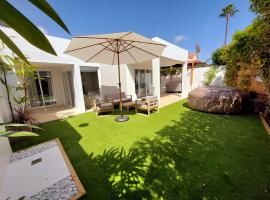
[{"x": 127, "y": 105}]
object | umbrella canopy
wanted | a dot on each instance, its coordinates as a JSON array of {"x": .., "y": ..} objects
[
  {"x": 115, "y": 49},
  {"x": 132, "y": 48}
]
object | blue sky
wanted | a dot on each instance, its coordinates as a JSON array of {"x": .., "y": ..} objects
[{"x": 182, "y": 22}]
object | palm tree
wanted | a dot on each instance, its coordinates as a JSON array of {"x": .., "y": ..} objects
[{"x": 227, "y": 12}]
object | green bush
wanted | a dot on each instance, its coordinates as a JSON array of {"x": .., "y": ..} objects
[
  {"x": 219, "y": 56},
  {"x": 210, "y": 74}
]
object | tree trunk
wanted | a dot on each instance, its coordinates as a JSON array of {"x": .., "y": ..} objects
[
  {"x": 226, "y": 31},
  {"x": 8, "y": 96}
]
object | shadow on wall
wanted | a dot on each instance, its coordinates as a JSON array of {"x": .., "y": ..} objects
[{"x": 200, "y": 156}]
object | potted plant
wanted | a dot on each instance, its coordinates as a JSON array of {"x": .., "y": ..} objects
[{"x": 15, "y": 135}]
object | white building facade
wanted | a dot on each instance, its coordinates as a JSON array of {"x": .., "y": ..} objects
[{"x": 65, "y": 80}]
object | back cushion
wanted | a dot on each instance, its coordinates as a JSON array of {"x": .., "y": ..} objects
[
  {"x": 115, "y": 96},
  {"x": 5, "y": 154}
]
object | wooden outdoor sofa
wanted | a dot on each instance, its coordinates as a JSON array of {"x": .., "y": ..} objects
[
  {"x": 104, "y": 106},
  {"x": 147, "y": 104},
  {"x": 116, "y": 98}
]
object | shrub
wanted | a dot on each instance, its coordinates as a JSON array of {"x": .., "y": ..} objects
[{"x": 210, "y": 74}]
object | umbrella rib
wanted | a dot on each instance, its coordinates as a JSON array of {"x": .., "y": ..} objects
[
  {"x": 85, "y": 47},
  {"x": 129, "y": 53},
  {"x": 112, "y": 45},
  {"x": 108, "y": 48},
  {"x": 144, "y": 50},
  {"x": 132, "y": 56},
  {"x": 126, "y": 34},
  {"x": 97, "y": 53},
  {"x": 124, "y": 47}
]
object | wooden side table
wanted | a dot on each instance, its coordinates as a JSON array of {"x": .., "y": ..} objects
[{"x": 127, "y": 105}]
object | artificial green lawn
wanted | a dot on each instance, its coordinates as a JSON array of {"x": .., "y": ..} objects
[{"x": 175, "y": 154}]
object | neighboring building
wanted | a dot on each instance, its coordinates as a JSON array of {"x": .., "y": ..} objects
[{"x": 66, "y": 80}]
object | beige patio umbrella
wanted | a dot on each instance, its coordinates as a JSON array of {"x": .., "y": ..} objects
[{"x": 115, "y": 49}]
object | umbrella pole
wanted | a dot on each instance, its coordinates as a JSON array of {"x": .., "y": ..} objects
[
  {"x": 120, "y": 118},
  {"x": 119, "y": 83}
]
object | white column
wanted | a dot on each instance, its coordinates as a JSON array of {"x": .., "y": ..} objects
[
  {"x": 99, "y": 81},
  {"x": 156, "y": 76},
  {"x": 185, "y": 81},
  {"x": 130, "y": 82},
  {"x": 78, "y": 90}
]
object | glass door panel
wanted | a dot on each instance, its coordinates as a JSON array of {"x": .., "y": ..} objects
[
  {"x": 47, "y": 87},
  {"x": 41, "y": 90},
  {"x": 143, "y": 83}
]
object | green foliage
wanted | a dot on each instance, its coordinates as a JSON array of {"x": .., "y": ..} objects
[
  {"x": 17, "y": 133},
  {"x": 249, "y": 49},
  {"x": 261, "y": 7},
  {"x": 229, "y": 10},
  {"x": 6, "y": 65},
  {"x": 123, "y": 169},
  {"x": 16, "y": 20},
  {"x": 26, "y": 72},
  {"x": 46, "y": 8},
  {"x": 210, "y": 75},
  {"x": 11, "y": 45},
  {"x": 219, "y": 56}
]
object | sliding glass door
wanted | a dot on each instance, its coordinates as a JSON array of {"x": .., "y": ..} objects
[
  {"x": 143, "y": 83},
  {"x": 41, "y": 91}
]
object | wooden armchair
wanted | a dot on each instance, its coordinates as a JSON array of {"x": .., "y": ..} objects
[
  {"x": 103, "y": 106},
  {"x": 147, "y": 104}
]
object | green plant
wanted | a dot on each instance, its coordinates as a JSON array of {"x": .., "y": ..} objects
[
  {"x": 227, "y": 12},
  {"x": 244, "y": 82},
  {"x": 210, "y": 74},
  {"x": 16, "y": 20},
  {"x": 6, "y": 65},
  {"x": 219, "y": 56},
  {"x": 123, "y": 169},
  {"x": 26, "y": 73},
  {"x": 23, "y": 116}
]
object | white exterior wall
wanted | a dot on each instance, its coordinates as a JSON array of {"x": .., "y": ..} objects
[
  {"x": 109, "y": 80},
  {"x": 130, "y": 82},
  {"x": 219, "y": 79},
  {"x": 199, "y": 78},
  {"x": 156, "y": 76},
  {"x": 5, "y": 154},
  {"x": 185, "y": 81},
  {"x": 42, "y": 58},
  {"x": 78, "y": 90}
]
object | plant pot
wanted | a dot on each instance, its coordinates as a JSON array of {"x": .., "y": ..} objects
[{"x": 18, "y": 128}]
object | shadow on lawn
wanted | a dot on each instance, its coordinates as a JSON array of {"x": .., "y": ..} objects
[
  {"x": 191, "y": 159},
  {"x": 188, "y": 160},
  {"x": 172, "y": 165}
]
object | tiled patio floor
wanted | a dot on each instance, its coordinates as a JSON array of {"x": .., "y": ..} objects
[
  {"x": 169, "y": 98},
  {"x": 54, "y": 112}
]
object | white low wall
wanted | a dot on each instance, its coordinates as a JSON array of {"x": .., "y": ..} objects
[{"x": 199, "y": 78}]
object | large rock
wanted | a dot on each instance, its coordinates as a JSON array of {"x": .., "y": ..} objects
[{"x": 217, "y": 99}]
